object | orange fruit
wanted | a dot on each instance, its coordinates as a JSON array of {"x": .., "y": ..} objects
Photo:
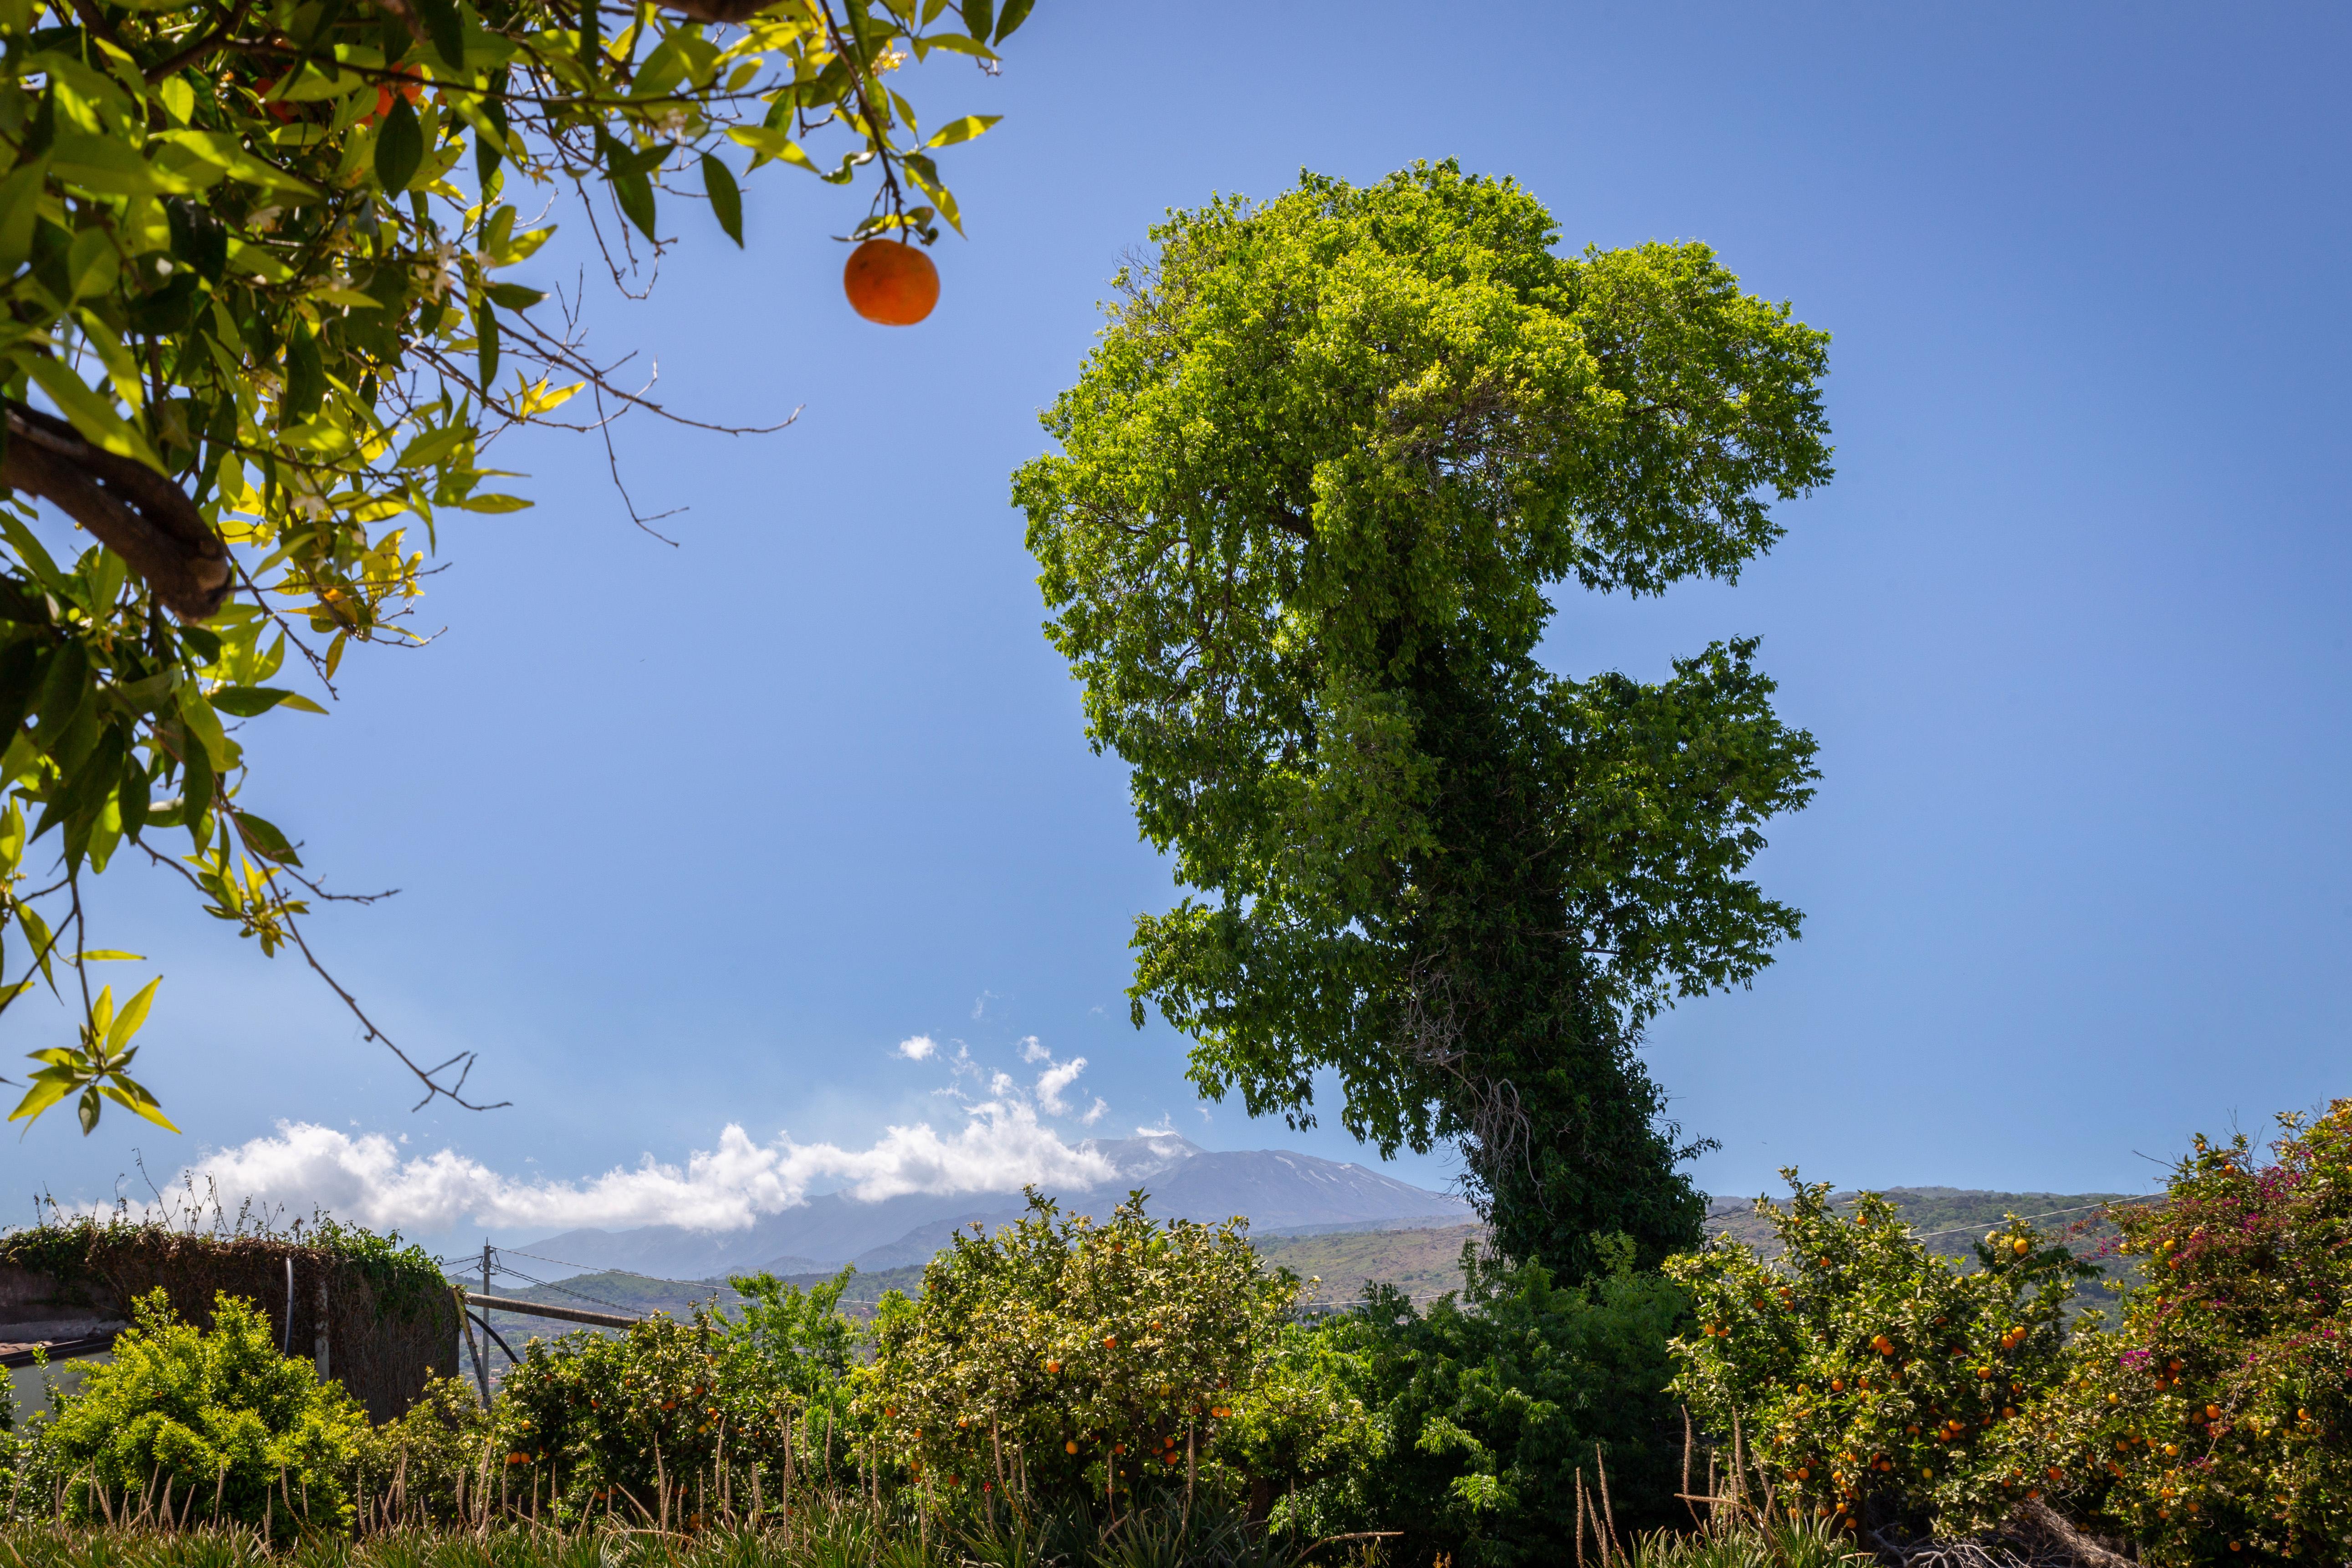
[
  {"x": 1071, "y": 1447},
  {"x": 892, "y": 282}
]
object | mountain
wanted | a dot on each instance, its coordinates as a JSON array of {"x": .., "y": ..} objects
[{"x": 1277, "y": 1190}]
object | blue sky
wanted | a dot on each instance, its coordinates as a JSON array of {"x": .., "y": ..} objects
[{"x": 697, "y": 836}]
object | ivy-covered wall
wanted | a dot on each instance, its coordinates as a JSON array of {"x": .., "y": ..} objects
[{"x": 390, "y": 1323}]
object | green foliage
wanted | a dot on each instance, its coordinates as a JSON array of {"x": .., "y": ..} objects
[
  {"x": 1869, "y": 1379},
  {"x": 1485, "y": 1408},
  {"x": 2211, "y": 1423},
  {"x": 1317, "y": 486},
  {"x": 259, "y": 261},
  {"x": 1779, "y": 1542},
  {"x": 420, "y": 1466},
  {"x": 625, "y": 1425},
  {"x": 238, "y": 1430},
  {"x": 801, "y": 1338},
  {"x": 1064, "y": 1360}
]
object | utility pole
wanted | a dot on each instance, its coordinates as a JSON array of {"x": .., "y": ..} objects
[{"x": 485, "y": 1319}]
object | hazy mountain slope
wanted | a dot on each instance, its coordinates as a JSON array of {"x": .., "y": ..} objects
[{"x": 1277, "y": 1189}]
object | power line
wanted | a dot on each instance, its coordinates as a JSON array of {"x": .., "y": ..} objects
[{"x": 575, "y": 1295}]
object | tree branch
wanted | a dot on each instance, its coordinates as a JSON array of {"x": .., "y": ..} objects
[{"x": 130, "y": 508}]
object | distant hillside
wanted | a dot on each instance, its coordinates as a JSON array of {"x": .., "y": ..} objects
[
  {"x": 1424, "y": 1262},
  {"x": 1951, "y": 1220},
  {"x": 1278, "y": 1189}
]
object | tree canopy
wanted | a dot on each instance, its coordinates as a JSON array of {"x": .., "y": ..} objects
[
  {"x": 1319, "y": 487},
  {"x": 256, "y": 258}
]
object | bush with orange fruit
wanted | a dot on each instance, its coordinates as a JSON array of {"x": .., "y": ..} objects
[
  {"x": 1061, "y": 1358},
  {"x": 1867, "y": 1378},
  {"x": 2213, "y": 1424}
]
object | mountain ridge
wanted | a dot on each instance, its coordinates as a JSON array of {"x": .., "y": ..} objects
[{"x": 1280, "y": 1190}]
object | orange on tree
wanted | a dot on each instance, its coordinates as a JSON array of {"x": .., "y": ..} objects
[{"x": 892, "y": 282}]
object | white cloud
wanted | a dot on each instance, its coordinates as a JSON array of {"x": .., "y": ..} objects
[
  {"x": 917, "y": 1047},
  {"x": 1095, "y": 1112},
  {"x": 365, "y": 1180},
  {"x": 1031, "y": 1051},
  {"x": 1055, "y": 1079}
]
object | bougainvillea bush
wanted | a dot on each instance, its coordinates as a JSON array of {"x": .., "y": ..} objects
[
  {"x": 2213, "y": 1424},
  {"x": 1868, "y": 1378}
]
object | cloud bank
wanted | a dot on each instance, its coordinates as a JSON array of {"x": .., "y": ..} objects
[{"x": 365, "y": 1179}]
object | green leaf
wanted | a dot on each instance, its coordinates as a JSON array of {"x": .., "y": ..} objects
[
  {"x": 726, "y": 197},
  {"x": 204, "y": 725},
  {"x": 1015, "y": 13},
  {"x": 515, "y": 297},
  {"x": 306, "y": 376},
  {"x": 635, "y": 191},
  {"x": 491, "y": 503},
  {"x": 262, "y": 837},
  {"x": 91, "y": 415},
  {"x": 447, "y": 28},
  {"x": 225, "y": 153},
  {"x": 21, "y": 667},
  {"x": 485, "y": 344},
  {"x": 114, "y": 167},
  {"x": 963, "y": 130},
  {"x": 250, "y": 701},
  {"x": 399, "y": 146},
  {"x": 20, "y": 201},
  {"x": 132, "y": 1097},
  {"x": 65, "y": 687},
  {"x": 132, "y": 794},
  {"x": 978, "y": 17},
  {"x": 49, "y": 1085},
  {"x": 957, "y": 43},
  {"x": 135, "y": 1013}
]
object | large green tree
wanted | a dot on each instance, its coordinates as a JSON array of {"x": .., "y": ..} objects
[
  {"x": 257, "y": 336},
  {"x": 1317, "y": 490}
]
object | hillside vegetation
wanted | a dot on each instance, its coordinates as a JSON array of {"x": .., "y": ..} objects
[{"x": 1422, "y": 1264}]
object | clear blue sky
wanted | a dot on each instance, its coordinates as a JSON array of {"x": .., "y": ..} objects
[{"x": 696, "y": 835}]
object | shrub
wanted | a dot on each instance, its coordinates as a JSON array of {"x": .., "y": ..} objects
[
  {"x": 1483, "y": 1408},
  {"x": 421, "y": 1467},
  {"x": 629, "y": 1424},
  {"x": 1867, "y": 1376},
  {"x": 2213, "y": 1425},
  {"x": 1072, "y": 1359},
  {"x": 1301, "y": 1420},
  {"x": 210, "y": 1424}
]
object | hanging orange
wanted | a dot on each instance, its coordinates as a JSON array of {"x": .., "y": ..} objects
[{"x": 890, "y": 281}]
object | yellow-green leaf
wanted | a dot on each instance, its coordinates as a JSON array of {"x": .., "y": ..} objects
[
  {"x": 90, "y": 413},
  {"x": 133, "y": 1014}
]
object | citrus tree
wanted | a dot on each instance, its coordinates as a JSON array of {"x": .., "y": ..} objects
[
  {"x": 263, "y": 324},
  {"x": 2211, "y": 1425},
  {"x": 1319, "y": 486},
  {"x": 1060, "y": 1356},
  {"x": 1872, "y": 1381}
]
